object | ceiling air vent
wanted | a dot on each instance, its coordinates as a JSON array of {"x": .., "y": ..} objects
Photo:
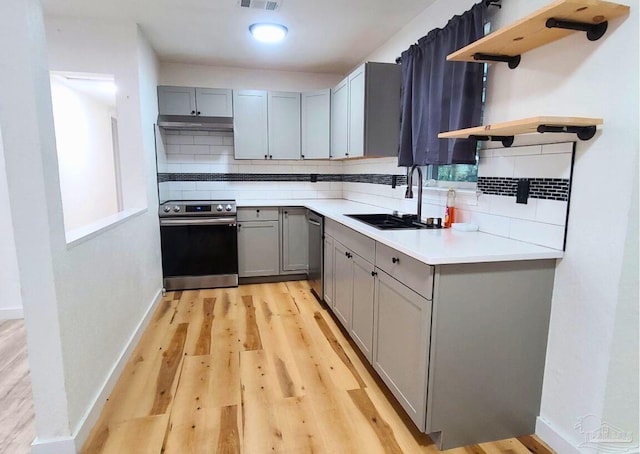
[{"x": 269, "y": 5}]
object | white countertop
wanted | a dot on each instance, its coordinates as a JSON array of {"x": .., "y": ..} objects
[{"x": 433, "y": 247}]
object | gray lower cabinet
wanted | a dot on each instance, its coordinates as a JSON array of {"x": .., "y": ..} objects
[
  {"x": 343, "y": 284},
  {"x": 328, "y": 277},
  {"x": 295, "y": 244},
  {"x": 362, "y": 303},
  {"x": 401, "y": 343},
  {"x": 460, "y": 346},
  {"x": 258, "y": 248}
]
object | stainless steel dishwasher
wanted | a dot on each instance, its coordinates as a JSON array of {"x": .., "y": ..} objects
[{"x": 316, "y": 233}]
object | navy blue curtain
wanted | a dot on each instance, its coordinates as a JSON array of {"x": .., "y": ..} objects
[{"x": 439, "y": 96}]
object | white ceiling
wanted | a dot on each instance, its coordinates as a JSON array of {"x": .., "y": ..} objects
[{"x": 324, "y": 35}]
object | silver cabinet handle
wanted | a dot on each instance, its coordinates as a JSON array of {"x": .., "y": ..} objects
[
  {"x": 181, "y": 222},
  {"x": 312, "y": 222}
]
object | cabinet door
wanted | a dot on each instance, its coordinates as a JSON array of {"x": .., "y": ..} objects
[
  {"x": 343, "y": 284},
  {"x": 328, "y": 277},
  {"x": 401, "y": 341},
  {"x": 214, "y": 102},
  {"x": 250, "y": 124},
  {"x": 362, "y": 314},
  {"x": 340, "y": 120},
  {"x": 356, "y": 112},
  {"x": 258, "y": 249},
  {"x": 295, "y": 243},
  {"x": 316, "y": 124},
  {"x": 284, "y": 125},
  {"x": 176, "y": 100}
]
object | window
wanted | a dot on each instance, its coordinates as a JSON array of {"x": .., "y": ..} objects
[
  {"x": 463, "y": 175},
  {"x": 84, "y": 115}
]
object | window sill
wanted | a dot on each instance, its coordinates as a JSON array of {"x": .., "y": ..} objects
[{"x": 85, "y": 233}]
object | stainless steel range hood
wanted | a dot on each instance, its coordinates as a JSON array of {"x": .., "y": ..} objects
[{"x": 194, "y": 123}]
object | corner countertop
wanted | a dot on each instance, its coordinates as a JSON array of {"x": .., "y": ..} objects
[{"x": 433, "y": 247}]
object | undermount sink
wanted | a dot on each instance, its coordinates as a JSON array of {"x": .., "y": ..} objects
[{"x": 389, "y": 221}]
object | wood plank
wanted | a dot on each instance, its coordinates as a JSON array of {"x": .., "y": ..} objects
[
  {"x": 511, "y": 446},
  {"x": 531, "y": 32},
  {"x": 203, "y": 344},
  {"x": 381, "y": 428},
  {"x": 518, "y": 127},
  {"x": 16, "y": 413},
  {"x": 251, "y": 333},
  {"x": 145, "y": 434},
  {"x": 535, "y": 445},
  {"x": 284, "y": 397},
  {"x": 337, "y": 348},
  {"x": 168, "y": 374}
]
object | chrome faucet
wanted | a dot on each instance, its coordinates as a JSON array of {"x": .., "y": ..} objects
[{"x": 409, "y": 193}]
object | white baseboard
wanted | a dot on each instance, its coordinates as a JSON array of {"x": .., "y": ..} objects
[
  {"x": 83, "y": 429},
  {"x": 551, "y": 437},
  {"x": 11, "y": 313},
  {"x": 54, "y": 446}
]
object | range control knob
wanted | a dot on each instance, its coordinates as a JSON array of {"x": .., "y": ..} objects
[
  {"x": 176, "y": 208},
  {"x": 228, "y": 208},
  {"x": 166, "y": 208},
  {"x": 219, "y": 208}
]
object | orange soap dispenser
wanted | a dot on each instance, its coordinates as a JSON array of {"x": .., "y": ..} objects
[{"x": 449, "y": 217}]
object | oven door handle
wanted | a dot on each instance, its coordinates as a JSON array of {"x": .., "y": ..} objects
[{"x": 231, "y": 222}]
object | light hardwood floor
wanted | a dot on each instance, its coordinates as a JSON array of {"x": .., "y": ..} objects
[
  {"x": 256, "y": 369},
  {"x": 16, "y": 403}
]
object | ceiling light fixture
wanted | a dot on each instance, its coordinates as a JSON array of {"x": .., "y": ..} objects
[{"x": 268, "y": 33}]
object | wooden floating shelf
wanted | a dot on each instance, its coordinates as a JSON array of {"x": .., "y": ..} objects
[
  {"x": 585, "y": 128},
  {"x": 544, "y": 26}
]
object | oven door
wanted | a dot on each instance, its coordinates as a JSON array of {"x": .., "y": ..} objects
[{"x": 199, "y": 253}]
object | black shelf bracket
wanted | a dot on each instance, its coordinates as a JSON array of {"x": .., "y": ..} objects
[
  {"x": 594, "y": 31},
  {"x": 513, "y": 62},
  {"x": 583, "y": 132},
  {"x": 507, "y": 141}
]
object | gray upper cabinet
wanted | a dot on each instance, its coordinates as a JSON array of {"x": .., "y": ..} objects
[
  {"x": 316, "y": 124},
  {"x": 214, "y": 102},
  {"x": 340, "y": 120},
  {"x": 250, "y": 131},
  {"x": 206, "y": 102},
  {"x": 401, "y": 333},
  {"x": 295, "y": 244},
  {"x": 176, "y": 100},
  {"x": 365, "y": 112},
  {"x": 284, "y": 125},
  {"x": 356, "y": 112}
]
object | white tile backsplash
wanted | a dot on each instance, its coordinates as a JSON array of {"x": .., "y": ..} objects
[
  {"x": 497, "y": 166},
  {"x": 537, "y": 233},
  {"x": 554, "y": 165},
  {"x": 551, "y": 211},
  {"x": 539, "y": 221}
]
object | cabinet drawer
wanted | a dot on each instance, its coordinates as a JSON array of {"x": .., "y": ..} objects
[
  {"x": 362, "y": 245},
  {"x": 258, "y": 214},
  {"x": 411, "y": 272}
]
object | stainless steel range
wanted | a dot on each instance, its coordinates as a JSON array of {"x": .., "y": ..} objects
[{"x": 199, "y": 243}]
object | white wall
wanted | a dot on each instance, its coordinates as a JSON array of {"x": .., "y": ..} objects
[
  {"x": 10, "y": 299},
  {"x": 83, "y": 303},
  {"x": 574, "y": 77},
  {"x": 85, "y": 155},
  {"x": 240, "y": 78},
  {"x": 106, "y": 284}
]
